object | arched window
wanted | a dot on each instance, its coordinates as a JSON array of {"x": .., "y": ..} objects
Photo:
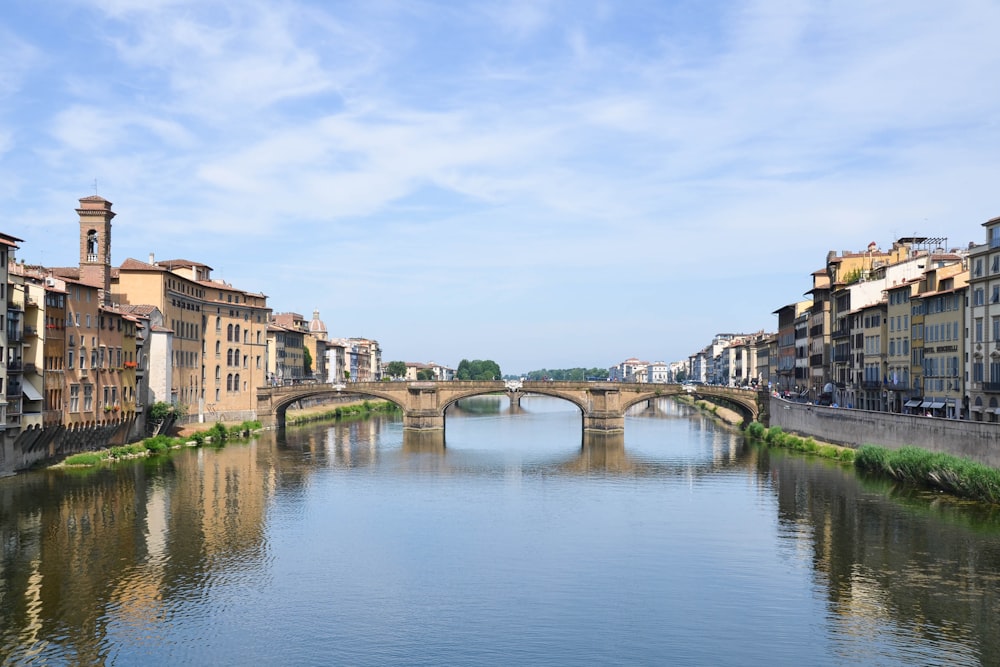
[
  {"x": 236, "y": 334},
  {"x": 91, "y": 245},
  {"x": 236, "y": 357},
  {"x": 229, "y": 357},
  {"x": 229, "y": 382},
  {"x": 218, "y": 348},
  {"x": 218, "y": 374},
  {"x": 236, "y": 382},
  {"x": 229, "y": 332},
  {"x": 218, "y": 324}
]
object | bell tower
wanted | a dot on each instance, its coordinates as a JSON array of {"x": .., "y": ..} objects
[{"x": 95, "y": 243}]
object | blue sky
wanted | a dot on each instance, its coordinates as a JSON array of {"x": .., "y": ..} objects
[{"x": 543, "y": 183}]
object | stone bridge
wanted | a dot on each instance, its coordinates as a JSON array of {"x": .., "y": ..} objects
[{"x": 602, "y": 404}]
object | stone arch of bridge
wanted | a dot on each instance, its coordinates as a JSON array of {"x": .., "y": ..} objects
[
  {"x": 555, "y": 393},
  {"x": 281, "y": 405},
  {"x": 745, "y": 405},
  {"x": 650, "y": 395}
]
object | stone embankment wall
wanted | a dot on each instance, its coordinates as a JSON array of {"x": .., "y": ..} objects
[
  {"x": 36, "y": 446},
  {"x": 978, "y": 441}
]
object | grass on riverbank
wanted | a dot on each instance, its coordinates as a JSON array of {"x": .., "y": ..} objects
[
  {"x": 217, "y": 436},
  {"x": 778, "y": 438},
  {"x": 959, "y": 477},
  {"x": 952, "y": 474}
]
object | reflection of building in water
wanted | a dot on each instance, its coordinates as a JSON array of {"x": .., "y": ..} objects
[{"x": 73, "y": 536}]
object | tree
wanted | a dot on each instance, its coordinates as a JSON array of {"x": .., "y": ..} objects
[
  {"x": 396, "y": 369},
  {"x": 426, "y": 374},
  {"x": 307, "y": 360},
  {"x": 478, "y": 369}
]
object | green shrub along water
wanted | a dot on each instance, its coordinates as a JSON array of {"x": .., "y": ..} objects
[
  {"x": 957, "y": 476},
  {"x": 217, "y": 435},
  {"x": 953, "y": 474}
]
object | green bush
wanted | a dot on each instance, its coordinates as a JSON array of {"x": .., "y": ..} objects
[
  {"x": 218, "y": 433},
  {"x": 955, "y": 475},
  {"x": 156, "y": 445}
]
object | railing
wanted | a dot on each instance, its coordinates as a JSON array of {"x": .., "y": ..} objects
[
  {"x": 843, "y": 333},
  {"x": 871, "y": 384},
  {"x": 991, "y": 387}
]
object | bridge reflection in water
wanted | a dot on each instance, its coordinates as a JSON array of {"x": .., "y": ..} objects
[{"x": 602, "y": 404}]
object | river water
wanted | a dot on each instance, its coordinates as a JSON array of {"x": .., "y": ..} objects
[{"x": 516, "y": 542}]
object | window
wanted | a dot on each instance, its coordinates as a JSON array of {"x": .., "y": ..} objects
[
  {"x": 74, "y": 398},
  {"x": 88, "y": 397}
]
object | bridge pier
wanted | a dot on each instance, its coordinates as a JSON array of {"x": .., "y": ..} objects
[{"x": 515, "y": 399}]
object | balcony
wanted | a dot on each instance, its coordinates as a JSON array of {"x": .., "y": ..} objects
[
  {"x": 991, "y": 387},
  {"x": 871, "y": 384},
  {"x": 841, "y": 334},
  {"x": 816, "y": 360}
]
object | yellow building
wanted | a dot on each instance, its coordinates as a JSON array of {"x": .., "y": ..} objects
[
  {"x": 219, "y": 334},
  {"x": 942, "y": 304}
]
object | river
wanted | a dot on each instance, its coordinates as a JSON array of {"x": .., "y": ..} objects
[{"x": 518, "y": 542}]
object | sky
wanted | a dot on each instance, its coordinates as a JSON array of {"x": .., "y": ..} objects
[{"x": 547, "y": 183}]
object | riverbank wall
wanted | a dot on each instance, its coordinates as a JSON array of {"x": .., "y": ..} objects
[
  {"x": 36, "y": 446},
  {"x": 976, "y": 441}
]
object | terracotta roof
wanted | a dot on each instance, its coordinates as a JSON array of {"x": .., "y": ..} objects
[
  {"x": 66, "y": 272},
  {"x": 142, "y": 310},
  {"x": 171, "y": 263},
  {"x": 135, "y": 265}
]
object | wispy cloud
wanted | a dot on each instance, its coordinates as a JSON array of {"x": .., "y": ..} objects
[{"x": 514, "y": 157}]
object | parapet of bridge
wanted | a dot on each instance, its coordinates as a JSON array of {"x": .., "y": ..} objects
[{"x": 602, "y": 404}]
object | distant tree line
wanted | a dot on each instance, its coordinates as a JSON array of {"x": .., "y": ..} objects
[
  {"x": 568, "y": 374},
  {"x": 478, "y": 369}
]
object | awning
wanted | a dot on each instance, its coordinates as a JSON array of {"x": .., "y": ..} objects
[
  {"x": 30, "y": 391},
  {"x": 925, "y": 404},
  {"x": 912, "y": 403},
  {"x": 936, "y": 405},
  {"x": 976, "y": 408}
]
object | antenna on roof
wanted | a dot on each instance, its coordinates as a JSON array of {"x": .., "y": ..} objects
[{"x": 95, "y": 185}]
